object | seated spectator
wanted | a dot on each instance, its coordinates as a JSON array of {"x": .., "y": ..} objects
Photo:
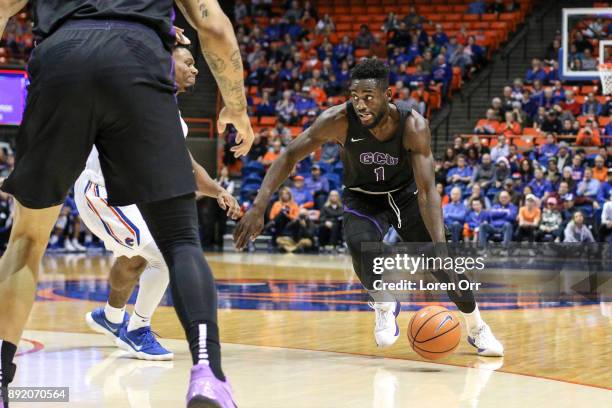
[
  {"x": 285, "y": 108},
  {"x": 477, "y": 194},
  {"x": 588, "y": 62},
  {"x": 588, "y": 136},
  {"x": 581, "y": 43},
  {"x": 330, "y": 153},
  {"x": 364, "y": 39},
  {"x": 298, "y": 234},
  {"x": 304, "y": 102},
  {"x": 540, "y": 186},
  {"x": 444, "y": 199},
  {"x": 281, "y": 132},
  {"x": 605, "y": 229},
  {"x": 344, "y": 49},
  {"x": 413, "y": 18},
  {"x": 302, "y": 196},
  {"x": 510, "y": 127},
  {"x": 501, "y": 149},
  {"x": 571, "y": 104},
  {"x": 265, "y": 107},
  {"x": 294, "y": 11},
  {"x": 567, "y": 129},
  {"x": 282, "y": 212},
  {"x": 563, "y": 155},
  {"x": 488, "y": 126},
  {"x": 240, "y": 10},
  {"x": 528, "y": 219},
  {"x": 496, "y": 105},
  {"x": 273, "y": 153},
  {"x": 548, "y": 100},
  {"x": 548, "y": 149},
  {"x": 552, "y": 171},
  {"x": 501, "y": 174},
  {"x": 550, "y": 225},
  {"x": 259, "y": 148},
  {"x": 528, "y": 105},
  {"x": 577, "y": 231},
  {"x": 474, "y": 220},
  {"x": 460, "y": 175},
  {"x": 325, "y": 25},
  {"x": 591, "y": 106},
  {"x": 454, "y": 214},
  {"x": 600, "y": 171},
  {"x": 536, "y": 72},
  {"x": 577, "y": 168},
  {"x": 330, "y": 231},
  {"x": 440, "y": 36},
  {"x": 587, "y": 189},
  {"x": 552, "y": 124},
  {"x": 503, "y": 216},
  {"x": 477, "y": 7},
  {"x": 318, "y": 186},
  {"x": 605, "y": 189},
  {"x": 484, "y": 173},
  {"x": 390, "y": 23},
  {"x": 526, "y": 171},
  {"x": 442, "y": 73}
]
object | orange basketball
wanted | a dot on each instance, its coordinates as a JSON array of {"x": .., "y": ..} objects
[{"x": 434, "y": 332}]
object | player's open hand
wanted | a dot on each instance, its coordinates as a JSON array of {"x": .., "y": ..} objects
[
  {"x": 248, "y": 228},
  {"x": 242, "y": 123},
  {"x": 228, "y": 202}
]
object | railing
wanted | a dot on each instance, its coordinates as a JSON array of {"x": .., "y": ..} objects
[{"x": 442, "y": 118}]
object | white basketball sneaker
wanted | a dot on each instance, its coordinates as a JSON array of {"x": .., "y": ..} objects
[
  {"x": 386, "y": 330},
  {"x": 483, "y": 339}
]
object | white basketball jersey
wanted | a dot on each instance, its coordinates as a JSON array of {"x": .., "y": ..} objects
[{"x": 93, "y": 168}]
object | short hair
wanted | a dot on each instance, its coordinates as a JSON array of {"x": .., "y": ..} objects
[
  {"x": 177, "y": 47},
  {"x": 371, "y": 68}
]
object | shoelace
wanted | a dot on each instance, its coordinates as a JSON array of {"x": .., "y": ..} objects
[
  {"x": 382, "y": 315},
  {"x": 148, "y": 337}
]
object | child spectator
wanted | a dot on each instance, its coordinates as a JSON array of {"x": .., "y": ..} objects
[
  {"x": 475, "y": 219},
  {"x": 454, "y": 214}
]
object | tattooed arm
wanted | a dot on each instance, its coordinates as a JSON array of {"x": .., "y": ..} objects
[
  {"x": 8, "y": 8},
  {"x": 220, "y": 48}
]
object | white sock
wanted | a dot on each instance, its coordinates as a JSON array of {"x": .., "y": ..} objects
[
  {"x": 137, "y": 321},
  {"x": 473, "y": 320},
  {"x": 153, "y": 283},
  {"x": 113, "y": 314}
]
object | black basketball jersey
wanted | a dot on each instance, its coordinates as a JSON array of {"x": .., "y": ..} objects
[
  {"x": 372, "y": 165},
  {"x": 48, "y": 15}
]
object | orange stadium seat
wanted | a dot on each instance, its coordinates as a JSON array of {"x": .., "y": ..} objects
[
  {"x": 267, "y": 121},
  {"x": 489, "y": 17}
]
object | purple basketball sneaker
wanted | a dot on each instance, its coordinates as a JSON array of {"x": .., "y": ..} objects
[{"x": 207, "y": 391}]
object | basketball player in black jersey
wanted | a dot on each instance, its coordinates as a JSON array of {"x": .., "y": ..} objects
[
  {"x": 388, "y": 179},
  {"x": 102, "y": 74}
]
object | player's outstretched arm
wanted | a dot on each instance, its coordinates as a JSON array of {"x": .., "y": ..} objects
[
  {"x": 8, "y": 8},
  {"x": 220, "y": 48},
  {"x": 418, "y": 140},
  {"x": 331, "y": 125},
  {"x": 210, "y": 188}
]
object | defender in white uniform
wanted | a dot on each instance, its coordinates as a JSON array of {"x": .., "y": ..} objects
[{"x": 125, "y": 233}]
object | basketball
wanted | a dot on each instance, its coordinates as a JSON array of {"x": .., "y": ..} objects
[{"x": 434, "y": 332}]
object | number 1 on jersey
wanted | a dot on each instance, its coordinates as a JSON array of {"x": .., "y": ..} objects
[{"x": 380, "y": 173}]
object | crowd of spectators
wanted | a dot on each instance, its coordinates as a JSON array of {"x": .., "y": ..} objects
[
  {"x": 17, "y": 41},
  {"x": 556, "y": 187}
]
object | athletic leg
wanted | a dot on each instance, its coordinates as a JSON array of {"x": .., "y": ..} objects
[{"x": 19, "y": 268}]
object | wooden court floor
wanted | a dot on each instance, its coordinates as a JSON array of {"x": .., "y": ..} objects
[{"x": 294, "y": 336}]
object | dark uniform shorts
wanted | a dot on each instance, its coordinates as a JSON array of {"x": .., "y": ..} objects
[
  {"x": 375, "y": 213},
  {"x": 108, "y": 83}
]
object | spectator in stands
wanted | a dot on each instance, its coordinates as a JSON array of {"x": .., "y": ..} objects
[
  {"x": 588, "y": 136},
  {"x": 548, "y": 149},
  {"x": 325, "y": 25},
  {"x": 460, "y": 175},
  {"x": 293, "y": 12},
  {"x": 503, "y": 216},
  {"x": 475, "y": 218},
  {"x": 265, "y": 107},
  {"x": 477, "y": 194},
  {"x": 330, "y": 153},
  {"x": 330, "y": 230},
  {"x": 510, "y": 127},
  {"x": 483, "y": 174},
  {"x": 571, "y": 104},
  {"x": 552, "y": 124},
  {"x": 581, "y": 43},
  {"x": 302, "y": 196},
  {"x": 552, "y": 52},
  {"x": 536, "y": 72},
  {"x": 567, "y": 199},
  {"x": 548, "y": 100},
  {"x": 563, "y": 155},
  {"x": 497, "y": 106},
  {"x": 502, "y": 172},
  {"x": 281, "y": 132},
  {"x": 442, "y": 73},
  {"x": 273, "y": 153},
  {"x": 552, "y": 171},
  {"x": 477, "y": 7},
  {"x": 567, "y": 176},
  {"x": 488, "y": 126},
  {"x": 285, "y": 108},
  {"x": 526, "y": 171},
  {"x": 259, "y": 148},
  {"x": 318, "y": 185},
  {"x": 550, "y": 225},
  {"x": 508, "y": 187},
  {"x": 588, "y": 62},
  {"x": 577, "y": 231},
  {"x": 240, "y": 10},
  {"x": 500, "y": 149},
  {"x": 444, "y": 199},
  {"x": 577, "y": 168},
  {"x": 600, "y": 171},
  {"x": 540, "y": 186},
  {"x": 567, "y": 129},
  {"x": 304, "y": 102},
  {"x": 587, "y": 189},
  {"x": 391, "y": 23},
  {"x": 454, "y": 214},
  {"x": 364, "y": 39},
  {"x": 413, "y": 18},
  {"x": 528, "y": 105},
  {"x": 605, "y": 229},
  {"x": 298, "y": 234},
  {"x": 528, "y": 219},
  {"x": 591, "y": 106}
]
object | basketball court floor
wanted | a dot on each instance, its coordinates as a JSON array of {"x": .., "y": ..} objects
[{"x": 296, "y": 334}]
